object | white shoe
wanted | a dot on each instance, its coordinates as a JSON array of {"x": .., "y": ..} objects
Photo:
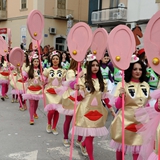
[
  {"x": 77, "y": 143},
  {"x": 83, "y": 150},
  {"x": 54, "y": 131},
  {"x": 48, "y": 128},
  {"x": 66, "y": 143}
]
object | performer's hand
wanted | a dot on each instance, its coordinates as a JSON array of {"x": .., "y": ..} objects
[
  {"x": 159, "y": 103},
  {"x": 81, "y": 74},
  {"x": 113, "y": 114},
  {"x": 76, "y": 87},
  {"x": 122, "y": 91}
]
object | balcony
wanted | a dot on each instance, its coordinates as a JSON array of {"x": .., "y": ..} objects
[
  {"x": 3, "y": 15},
  {"x": 110, "y": 16},
  {"x": 62, "y": 13}
]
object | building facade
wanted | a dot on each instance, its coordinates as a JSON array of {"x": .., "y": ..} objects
[
  {"x": 110, "y": 13},
  {"x": 13, "y": 15}
]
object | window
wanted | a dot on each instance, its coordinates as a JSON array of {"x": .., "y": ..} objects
[
  {"x": 60, "y": 43},
  {"x": 61, "y": 4},
  {"x": 114, "y": 3},
  {"x": 23, "y": 4},
  {"x": 2, "y": 4}
]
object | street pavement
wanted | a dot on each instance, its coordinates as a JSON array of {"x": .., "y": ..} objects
[{"x": 21, "y": 141}]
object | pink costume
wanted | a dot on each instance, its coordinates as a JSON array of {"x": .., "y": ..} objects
[
  {"x": 68, "y": 102},
  {"x": 137, "y": 96},
  {"x": 150, "y": 118},
  {"x": 4, "y": 78},
  {"x": 52, "y": 88},
  {"x": 91, "y": 115},
  {"x": 33, "y": 91}
]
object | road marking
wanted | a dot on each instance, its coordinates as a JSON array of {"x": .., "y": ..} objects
[
  {"x": 65, "y": 152},
  {"x": 24, "y": 155}
]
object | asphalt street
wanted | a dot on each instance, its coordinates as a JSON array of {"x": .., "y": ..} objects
[{"x": 21, "y": 141}]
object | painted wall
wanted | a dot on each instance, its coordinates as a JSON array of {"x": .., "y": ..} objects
[
  {"x": 15, "y": 27},
  {"x": 49, "y": 6},
  {"x": 80, "y": 8},
  {"x": 60, "y": 26},
  {"x": 105, "y": 4},
  {"x": 17, "y": 19},
  {"x": 14, "y": 8},
  {"x": 141, "y": 9}
]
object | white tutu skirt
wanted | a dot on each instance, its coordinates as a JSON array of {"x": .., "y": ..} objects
[
  {"x": 93, "y": 132},
  {"x": 50, "y": 107},
  {"x": 127, "y": 148},
  {"x": 32, "y": 96}
]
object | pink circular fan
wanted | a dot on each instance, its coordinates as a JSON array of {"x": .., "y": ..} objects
[
  {"x": 16, "y": 57},
  {"x": 121, "y": 45},
  {"x": 35, "y": 24},
  {"x": 79, "y": 40},
  {"x": 3, "y": 47},
  {"x": 99, "y": 43},
  {"x": 152, "y": 42}
]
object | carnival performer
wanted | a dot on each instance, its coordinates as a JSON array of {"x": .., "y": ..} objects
[
  {"x": 17, "y": 83},
  {"x": 4, "y": 78},
  {"x": 107, "y": 69},
  {"x": 65, "y": 61},
  {"x": 150, "y": 120},
  {"x": 68, "y": 101},
  {"x": 54, "y": 75},
  {"x": 91, "y": 116},
  {"x": 137, "y": 94},
  {"x": 34, "y": 87},
  {"x": 25, "y": 67},
  {"x": 150, "y": 129},
  {"x": 14, "y": 92}
]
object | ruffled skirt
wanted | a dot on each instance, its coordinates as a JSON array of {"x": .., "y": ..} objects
[
  {"x": 127, "y": 148},
  {"x": 94, "y": 132}
]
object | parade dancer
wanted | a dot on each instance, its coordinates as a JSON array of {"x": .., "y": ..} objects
[
  {"x": 150, "y": 117},
  {"x": 91, "y": 116},
  {"x": 137, "y": 94},
  {"x": 4, "y": 79},
  {"x": 54, "y": 75},
  {"x": 68, "y": 102},
  {"x": 34, "y": 87}
]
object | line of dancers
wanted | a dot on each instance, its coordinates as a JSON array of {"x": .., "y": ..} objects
[{"x": 99, "y": 86}]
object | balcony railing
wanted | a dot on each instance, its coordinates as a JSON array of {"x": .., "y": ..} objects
[
  {"x": 3, "y": 15},
  {"x": 109, "y": 15},
  {"x": 62, "y": 13}
]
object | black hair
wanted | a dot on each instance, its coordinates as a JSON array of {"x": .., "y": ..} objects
[
  {"x": 31, "y": 69},
  {"x": 88, "y": 77},
  {"x": 27, "y": 60},
  {"x": 67, "y": 56},
  {"x": 128, "y": 72}
]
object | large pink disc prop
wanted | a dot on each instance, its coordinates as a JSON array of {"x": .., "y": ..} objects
[
  {"x": 152, "y": 42},
  {"x": 79, "y": 40},
  {"x": 35, "y": 24},
  {"x": 121, "y": 44},
  {"x": 3, "y": 47},
  {"x": 16, "y": 57},
  {"x": 99, "y": 43}
]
